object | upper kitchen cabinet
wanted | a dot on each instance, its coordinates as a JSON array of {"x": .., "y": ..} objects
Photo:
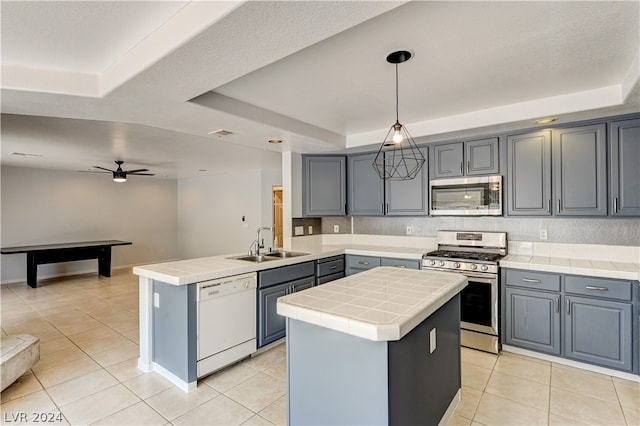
[
  {"x": 324, "y": 183},
  {"x": 369, "y": 195},
  {"x": 579, "y": 171},
  {"x": 529, "y": 174},
  {"x": 624, "y": 164},
  {"x": 470, "y": 158},
  {"x": 365, "y": 188}
]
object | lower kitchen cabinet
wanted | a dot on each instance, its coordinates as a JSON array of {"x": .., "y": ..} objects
[
  {"x": 273, "y": 283},
  {"x": 533, "y": 320},
  {"x": 598, "y": 332},
  {"x": 587, "y": 319}
]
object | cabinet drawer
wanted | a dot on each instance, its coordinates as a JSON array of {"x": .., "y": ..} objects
[
  {"x": 285, "y": 274},
  {"x": 400, "y": 263},
  {"x": 331, "y": 267},
  {"x": 327, "y": 278},
  {"x": 362, "y": 262},
  {"x": 598, "y": 287},
  {"x": 531, "y": 279}
]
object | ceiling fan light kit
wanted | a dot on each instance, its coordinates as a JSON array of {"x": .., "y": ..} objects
[
  {"x": 398, "y": 158},
  {"x": 120, "y": 175}
]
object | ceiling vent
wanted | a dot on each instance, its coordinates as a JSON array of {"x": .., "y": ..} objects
[{"x": 221, "y": 132}]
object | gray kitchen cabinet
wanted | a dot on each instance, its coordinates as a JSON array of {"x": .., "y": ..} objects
[
  {"x": 274, "y": 283},
  {"x": 365, "y": 188},
  {"x": 469, "y": 158},
  {"x": 598, "y": 332},
  {"x": 624, "y": 158},
  {"x": 356, "y": 263},
  {"x": 529, "y": 174},
  {"x": 579, "y": 171},
  {"x": 368, "y": 195},
  {"x": 400, "y": 263},
  {"x": 599, "y": 324},
  {"x": 324, "y": 183},
  {"x": 532, "y": 320},
  {"x": 329, "y": 269}
]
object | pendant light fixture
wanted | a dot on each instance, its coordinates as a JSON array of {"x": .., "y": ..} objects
[{"x": 399, "y": 158}]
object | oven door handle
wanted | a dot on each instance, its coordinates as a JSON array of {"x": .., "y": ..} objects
[{"x": 481, "y": 279}]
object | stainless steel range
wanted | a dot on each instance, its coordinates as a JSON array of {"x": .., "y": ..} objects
[{"x": 476, "y": 255}]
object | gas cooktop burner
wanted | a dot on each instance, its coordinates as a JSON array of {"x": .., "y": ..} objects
[{"x": 465, "y": 255}]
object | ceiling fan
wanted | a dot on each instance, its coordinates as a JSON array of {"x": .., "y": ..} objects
[{"x": 120, "y": 175}]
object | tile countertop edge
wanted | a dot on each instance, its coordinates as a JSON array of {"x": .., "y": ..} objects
[
  {"x": 381, "y": 331},
  {"x": 623, "y": 271},
  {"x": 189, "y": 271}
]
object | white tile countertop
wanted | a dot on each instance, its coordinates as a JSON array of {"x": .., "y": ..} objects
[
  {"x": 182, "y": 272},
  {"x": 594, "y": 268},
  {"x": 381, "y": 304}
]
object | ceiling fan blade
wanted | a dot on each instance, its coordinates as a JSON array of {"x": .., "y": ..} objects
[
  {"x": 136, "y": 170},
  {"x": 102, "y": 168},
  {"x": 141, "y": 174},
  {"x": 92, "y": 171}
]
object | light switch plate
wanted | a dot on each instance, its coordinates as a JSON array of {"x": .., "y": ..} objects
[
  {"x": 310, "y": 229},
  {"x": 299, "y": 230},
  {"x": 336, "y": 228},
  {"x": 156, "y": 300}
]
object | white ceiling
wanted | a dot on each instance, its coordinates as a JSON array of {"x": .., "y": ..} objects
[{"x": 85, "y": 83}]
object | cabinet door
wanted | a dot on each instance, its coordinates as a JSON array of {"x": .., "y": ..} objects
[
  {"x": 529, "y": 171},
  {"x": 324, "y": 185},
  {"x": 447, "y": 160},
  {"x": 408, "y": 197},
  {"x": 271, "y": 326},
  {"x": 625, "y": 173},
  {"x": 598, "y": 332},
  {"x": 533, "y": 320},
  {"x": 303, "y": 284},
  {"x": 356, "y": 264},
  {"x": 365, "y": 188},
  {"x": 579, "y": 171},
  {"x": 482, "y": 157}
]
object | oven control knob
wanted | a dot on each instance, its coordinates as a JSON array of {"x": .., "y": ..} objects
[
  {"x": 432, "y": 262},
  {"x": 456, "y": 265},
  {"x": 484, "y": 267},
  {"x": 473, "y": 266},
  {"x": 441, "y": 263}
]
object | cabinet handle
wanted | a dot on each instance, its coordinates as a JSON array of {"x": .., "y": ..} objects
[
  {"x": 558, "y": 304},
  {"x": 591, "y": 287},
  {"x": 615, "y": 204},
  {"x": 331, "y": 268},
  {"x": 568, "y": 307},
  {"x": 468, "y": 167},
  {"x": 399, "y": 266},
  {"x": 558, "y": 206},
  {"x": 386, "y": 209},
  {"x": 549, "y": 205},
  {"x": 531, "y": 280},
  {"x": 362, "y": 262},
  {"x": 461, "y": 172}
]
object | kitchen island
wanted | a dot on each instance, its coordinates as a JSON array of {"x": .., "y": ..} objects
[{"x": 380, "y": 347}]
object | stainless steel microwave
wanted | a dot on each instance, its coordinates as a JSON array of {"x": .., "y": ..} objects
[{"x": 471, "y": 196}]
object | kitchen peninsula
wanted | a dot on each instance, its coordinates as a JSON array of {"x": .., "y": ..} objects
[{"x": 379, "y": 347}]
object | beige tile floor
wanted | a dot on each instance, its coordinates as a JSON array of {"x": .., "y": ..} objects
[{"x": 88, "y": 330}]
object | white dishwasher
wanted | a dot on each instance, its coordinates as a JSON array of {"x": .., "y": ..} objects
[{"x": 226, "y": 321}]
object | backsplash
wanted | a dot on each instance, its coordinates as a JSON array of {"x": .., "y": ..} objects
[{"x": 609, "y": 231}]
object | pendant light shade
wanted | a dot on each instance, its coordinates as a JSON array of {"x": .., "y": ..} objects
[{"x": 398, "y": 158}]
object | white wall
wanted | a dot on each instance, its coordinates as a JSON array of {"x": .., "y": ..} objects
[
  {"x": 40, "y": 206},
  {"x": 210, "y": 211}
]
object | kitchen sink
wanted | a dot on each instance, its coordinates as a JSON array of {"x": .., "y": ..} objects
[
  {"x": 283, "y": 254},
  {"x": 253, "y": 258}
]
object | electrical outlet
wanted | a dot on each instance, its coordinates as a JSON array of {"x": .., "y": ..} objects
[
  {"x": 336, "y": 228},
  {"x": 310, "y": 229},
  {"x": 409, "y": 229},
  {"x": 432, "y": 340},
  {"x": 543, "y": 234}
]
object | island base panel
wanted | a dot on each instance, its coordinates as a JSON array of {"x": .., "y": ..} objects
[{"x": 335, "y": 378}]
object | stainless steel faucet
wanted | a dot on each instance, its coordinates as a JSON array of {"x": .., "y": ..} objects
[{"x": 259, "y": 245}]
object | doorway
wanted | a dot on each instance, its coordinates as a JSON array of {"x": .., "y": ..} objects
[{"x": 277, "y": 216}]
